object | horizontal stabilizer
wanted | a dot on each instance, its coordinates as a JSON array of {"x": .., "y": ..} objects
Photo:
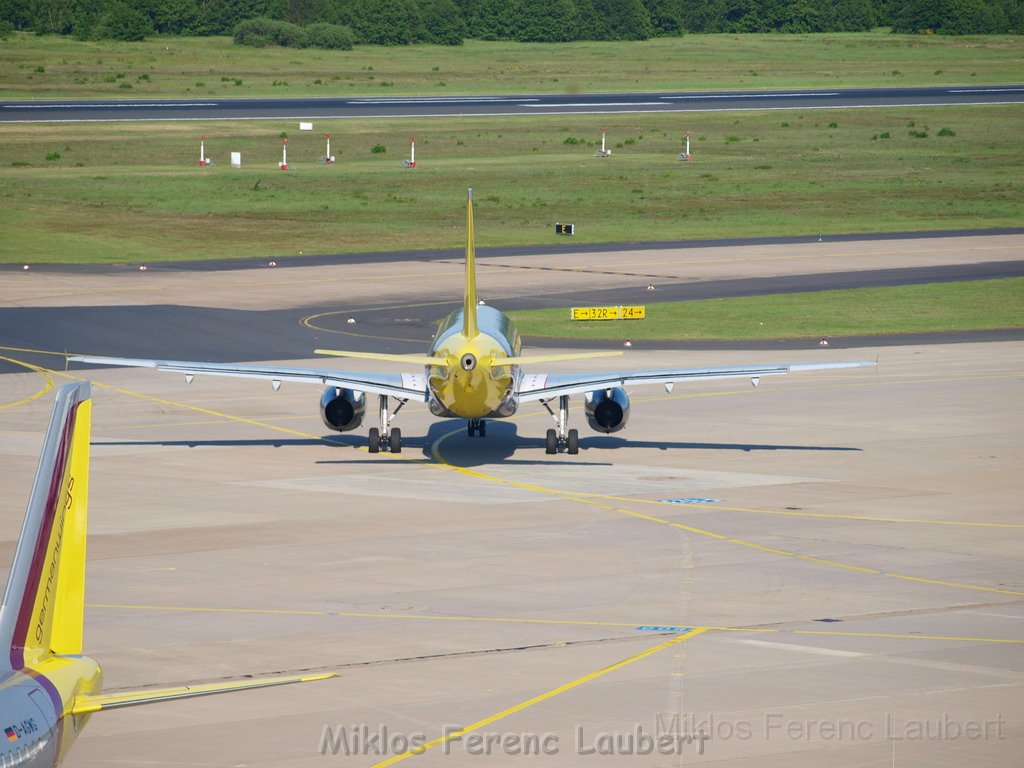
[
  {"x": 85, "y": 703},
  {"x": 548, "y": 358},
  {"x": 410, "y": 359}
]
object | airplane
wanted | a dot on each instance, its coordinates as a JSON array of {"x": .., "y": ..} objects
[
  {"x": 472, "y": 370},
  {"x": 48, "y": 689}
]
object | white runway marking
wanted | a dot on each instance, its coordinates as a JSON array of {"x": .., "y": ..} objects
[
  {"x": 600, "y": 104},
  {"x": 119, "y": 105},
  {"x": 801, "y": 648},
  {"x": 753, "y": 95},
  {"x": 406, "y": 100},
  {"x": 987, "y": 90}
]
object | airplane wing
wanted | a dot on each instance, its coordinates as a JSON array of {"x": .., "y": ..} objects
[
  {"x": 94, "y": 702},
  {"x": 545, "y": 386},
  {"x": 408, "y": 386}
]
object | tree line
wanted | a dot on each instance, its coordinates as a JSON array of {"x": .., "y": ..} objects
[{"x": 449, "y": 22}]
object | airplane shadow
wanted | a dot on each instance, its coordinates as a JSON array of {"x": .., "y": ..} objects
[
  {"x": 333, "y": 440},
  {"x": 503, "y": 441},
  {"x": 614, "y": 443},
  {"x": 501, "y": 444}
]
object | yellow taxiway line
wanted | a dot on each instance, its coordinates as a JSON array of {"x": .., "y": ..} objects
[
  {"x": 656, "y": 628},
  {"x": 568, "y": 495},
  {"x": 47, "y": 382},
  {"x": 419, "y": 750},
  {"x": 593, "y": 501}
]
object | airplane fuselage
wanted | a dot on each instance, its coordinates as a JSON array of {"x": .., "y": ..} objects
[
  {"x": 462, "y": 388},
  {"x": 34, "y": 730}
]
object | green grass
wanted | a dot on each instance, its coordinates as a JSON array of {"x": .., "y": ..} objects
[
  {"x": 965, "y": 306},
  {"x": 124, "y": 192},
  {"x": 176, "y": 67}
]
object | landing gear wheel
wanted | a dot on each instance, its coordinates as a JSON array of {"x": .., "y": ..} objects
[
  {"x": 395, "y": 441},
  {"x": 374, "y": 440},
  {"x": 573, "y": 443},
  {"x": 470, "y": 428},
  {"x": 482, "y": 428},
  {"x": 551, "y": 442}
]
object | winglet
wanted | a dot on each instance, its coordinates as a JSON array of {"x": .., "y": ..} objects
[
  {"x": 469, "y": 324},
  {"x": 44, "y": 602}
]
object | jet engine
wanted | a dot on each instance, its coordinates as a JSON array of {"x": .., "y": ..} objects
[
  {"x": 607, "y": 409},
  {"x": 342, "y": 409}
]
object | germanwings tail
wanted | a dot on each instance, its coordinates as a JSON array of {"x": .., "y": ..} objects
[
  {"x": 41, "y": 615},
  {"x": 469, "y": 326},
  {"x": 43, "y": 606}
]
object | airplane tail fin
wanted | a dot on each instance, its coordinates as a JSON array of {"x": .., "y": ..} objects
[
  {"x": 43, "y": 606},
  {"x": 469, "y": 327}
]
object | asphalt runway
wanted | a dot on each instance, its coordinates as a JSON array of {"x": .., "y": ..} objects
[
  {"x": 824, "y": 570},
  {"x": 96, "y": 110}
]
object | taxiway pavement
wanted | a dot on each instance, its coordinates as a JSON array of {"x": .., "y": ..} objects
[{"x": 844, "y": 582}]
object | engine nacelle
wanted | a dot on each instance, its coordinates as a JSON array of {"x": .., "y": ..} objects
[
  {"x": 607, "y": 409},
  {"x": 342, "y": 409}
]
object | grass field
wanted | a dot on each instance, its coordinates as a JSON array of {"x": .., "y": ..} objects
[
  {"x": 134, "y": 192},
  {"x": 33, "y": 67},
  {"x": 965, "y": 306}
]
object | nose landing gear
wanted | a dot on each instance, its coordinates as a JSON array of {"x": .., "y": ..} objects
[{"x": 477, "y": 427}]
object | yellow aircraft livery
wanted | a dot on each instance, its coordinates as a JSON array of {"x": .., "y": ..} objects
[
  {"x": 48, "y": 689},
  {"x": 473, "y": 370}
]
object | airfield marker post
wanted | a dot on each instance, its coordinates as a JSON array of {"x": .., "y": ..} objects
[
  {"x": 603, "y": 152},
  {"x": 283, "y": 165},
  {"x": 686, "y": 156},
  {"x": 411, "y": 162},
  {"x": 329, "y": 158},
  {"x": 203, "y": 162}
]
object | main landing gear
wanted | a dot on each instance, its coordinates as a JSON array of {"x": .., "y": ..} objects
[
  {"x": 385, "y": 437},
  {"x": 477, "y": 427},
  {"x": 561, "y": 437}
]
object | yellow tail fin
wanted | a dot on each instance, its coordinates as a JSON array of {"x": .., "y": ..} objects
[
  {"x": 44, "y": 603},
  {"x": 469, "y": 325}
]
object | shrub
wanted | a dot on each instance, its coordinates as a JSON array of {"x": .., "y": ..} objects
[
  {"x": 947, "y": 132},
  {"x": 333, "y": 36},
  {"x": 379, "y": 149},
  {"x": 260, "y": 32},
  {"x": 257, "y": 32}
]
